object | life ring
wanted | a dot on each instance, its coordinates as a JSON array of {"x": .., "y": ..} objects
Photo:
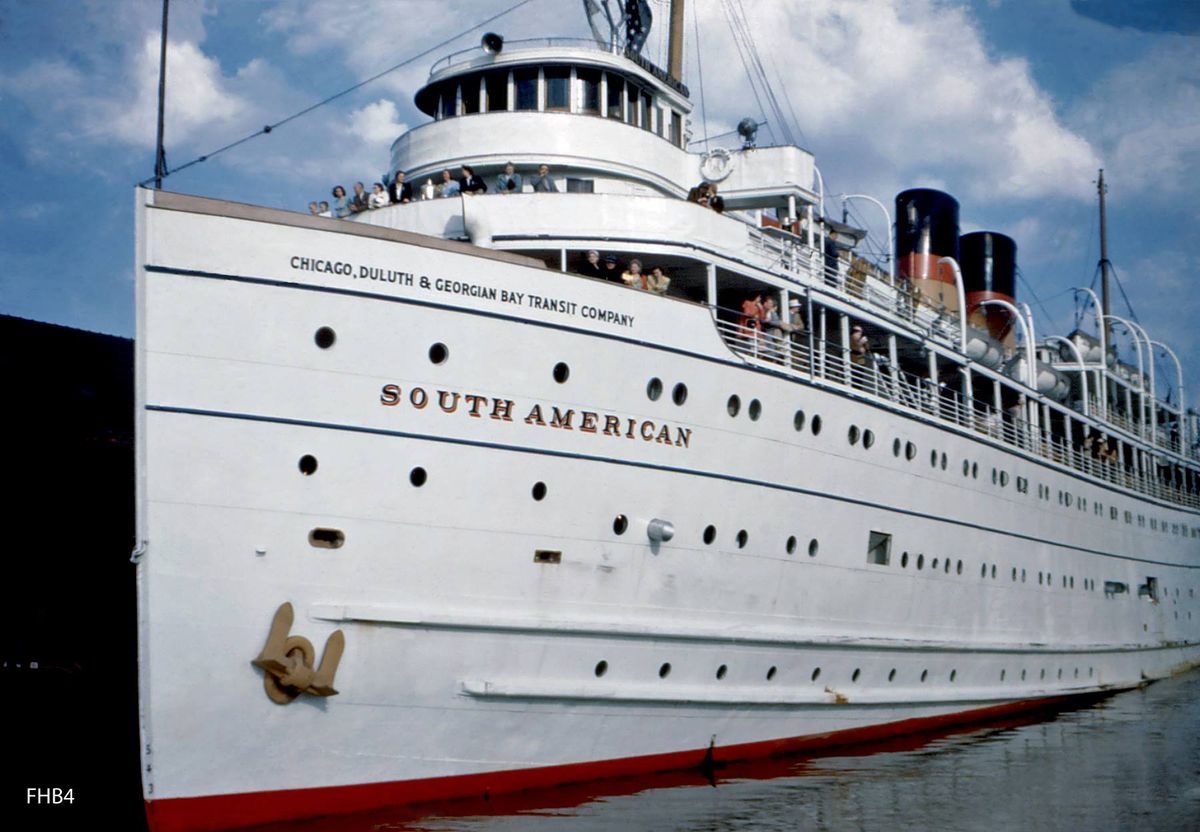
[{"x": 716, "y": 165}]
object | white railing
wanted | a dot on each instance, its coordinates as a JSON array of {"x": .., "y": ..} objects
[
  {"x": 465, "y": 55},
  {"x": 872, "y": 376}
]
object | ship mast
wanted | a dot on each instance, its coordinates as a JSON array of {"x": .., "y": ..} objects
[
  {"x": 675, "y": 41},
  {"x": 1104, "y": 264},
  {"x": 160, "y": 153}
]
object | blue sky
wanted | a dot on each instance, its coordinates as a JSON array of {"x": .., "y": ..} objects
[{"x": 1011, "y": 106}]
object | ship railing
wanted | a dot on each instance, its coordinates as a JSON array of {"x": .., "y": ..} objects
[
  {"x": 875, "y": 377},
  {"x": 859, "y": 281},
  {"x": 465, "y": 55}
]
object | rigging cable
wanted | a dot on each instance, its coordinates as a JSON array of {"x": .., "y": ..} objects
[
  {"x": 745, "y": 64},
  {"x": 756, "y": 59},
  {"x": 700, "y": 74},
  {"x": 268, "y": 128}
]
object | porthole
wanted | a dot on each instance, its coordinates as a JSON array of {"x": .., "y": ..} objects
[
  {"x": 771, "y": 671},
  {"x": 539, "y": 491},
  {"x": 924, "y": 675},
  {"x": 966, "y": 467},
  {"x": 1003, "y": 673},
  {"x": 561, "y": 372},
  {"x": 620, "y": 524},
  {"x": 974, "y": 470},
  {"x": 920, "y": 561},
  {"x": 654, "y": 388},
  {"x": 798, "y": 420},
  {"x": 327, "y": 538},
  {"x": 743, "y": 537},
  {"x": 734, "y": 405},
  {"x": 904, "y": 561},
  {"x": 983, "y": 571},
  {"x": 993, "y": 571},
  {"x": 892, "y": 675},
  {"x": 679, "y": 393},
  {"x": 1043, "y": 676},
  {"x": 934, "y": 565},
  {"x": 944, "y": 461},
  {"x": 1060, "y": 673},
  {"x": 1091, "y": 672},
  {"x": 995, "y": 477},
  {"x": 755, "y": 410},
  {"x": 439, "y": 352},
  {"x": 946, "y": 566},
  {"x": 852, "y": 435},
  {"x": 1004, "y": 479},
  {"x": 664, "y": 670},
  {"x": 953, "y": 675},
  {"x": 1014, "y": 573},
  {"x": 1022, "y": 576},
  {"x": 933, "y": 459},
  {"x": 601, "y": 668},
  {"x": 324, "y": 337},
  {"x": 910, "y": 451},
  {"x": 868, "y": 438},
  {"x": 816, "y": 425},
  {"x": 1022, "y": 675},
  {"x": 417, "y": 476},
  {"x": 812, "y": 548},
  {"x": 791, "y": 545},
  {"x": 721, "y": 671},
  {"x": 308, "y": 465},
  {"x": 1077, "y": 673},
  {"x": 816, "y": 674},
  {"x": 710, "y": 534},
  {"x": 896, "y": 445},
  {"x": 854, "y": 676},
  {"x": 957, "y": 567}
]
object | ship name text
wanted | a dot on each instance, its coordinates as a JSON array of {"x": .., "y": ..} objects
[
  {"x": 536, "y": 415},
  {"x": 441, "y": 285}
]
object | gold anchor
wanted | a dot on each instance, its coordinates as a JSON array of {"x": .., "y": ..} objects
[{"x": 288, "y": 661}]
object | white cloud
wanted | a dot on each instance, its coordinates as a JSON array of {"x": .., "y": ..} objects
[
  {"x": 1146, "y": 116},
  {"x": 888, "y": 90}
]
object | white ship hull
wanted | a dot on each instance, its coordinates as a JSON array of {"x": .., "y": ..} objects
[{"x": 476, "y": 617}]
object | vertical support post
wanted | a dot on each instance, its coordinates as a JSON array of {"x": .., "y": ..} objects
[
  {"x": 712, "y": 285},
  {"x": 563, "y": 260},
  {"x": 675, "y": 42},
  {"x": 844, "y": 351}
]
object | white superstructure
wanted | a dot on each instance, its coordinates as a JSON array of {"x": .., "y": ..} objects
[{"x": 568, "y": 528}]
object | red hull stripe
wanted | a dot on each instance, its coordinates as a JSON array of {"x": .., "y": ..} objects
[{"x": 230, "y": 811}]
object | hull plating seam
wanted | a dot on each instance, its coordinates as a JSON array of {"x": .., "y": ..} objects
[{"x": 278, "y": 420}]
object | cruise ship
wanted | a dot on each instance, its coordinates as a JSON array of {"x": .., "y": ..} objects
[{"x": 424, "y": 512}]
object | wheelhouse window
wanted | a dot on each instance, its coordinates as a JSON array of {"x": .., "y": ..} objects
[
  {"x": 647, "y": 110},
  {"x": 496, "y": 84},
  {"x": 633, "y": 98},
  {"x": 589, "y": 91},
  {"x": 525, "y": 88},
  {"x": 616, "y": 86},
  {"x": 676, "y": 129},
  {"x": 558, "y": 89},
  {"x": 470, "y": 95}
]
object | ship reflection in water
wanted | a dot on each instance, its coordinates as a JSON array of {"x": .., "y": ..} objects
[{"x": 1127, "y": 761}]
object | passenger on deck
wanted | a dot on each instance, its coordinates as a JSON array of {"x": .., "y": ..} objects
[
  {"x": 313, "y": 208},
  {"x": 324, "y": 212},
  {"x": 591, "y": 266},
  {"x": 634, "y": 277},
  {"x": 751, "y": 318},
  {"x": 470, "y": 183},
  {"x": 773, "y": 326},
  {"x": 612, "y": 269},
  {"x": 542, "y": 183},
  {"x": 508, "y": 182},
  {"x": 795, "y": 321},
  {"x": 447, "y": 187},
  {"x": 361, "y": 201},
  {"x": 831, "y": 257},
  {"x": 400, "y": 191},
  {"x": 341, "y": 205},
  {"x": 657, "y": 282},
  {"x": 859, "y": 346},
  {"x": 379, "y": 196},
  {"x": 698, "y": 192}
]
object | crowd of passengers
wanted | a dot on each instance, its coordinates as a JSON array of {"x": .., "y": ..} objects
[
  {"x": 609, "y": 268},
  {"x": 398, "y": 190}
]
